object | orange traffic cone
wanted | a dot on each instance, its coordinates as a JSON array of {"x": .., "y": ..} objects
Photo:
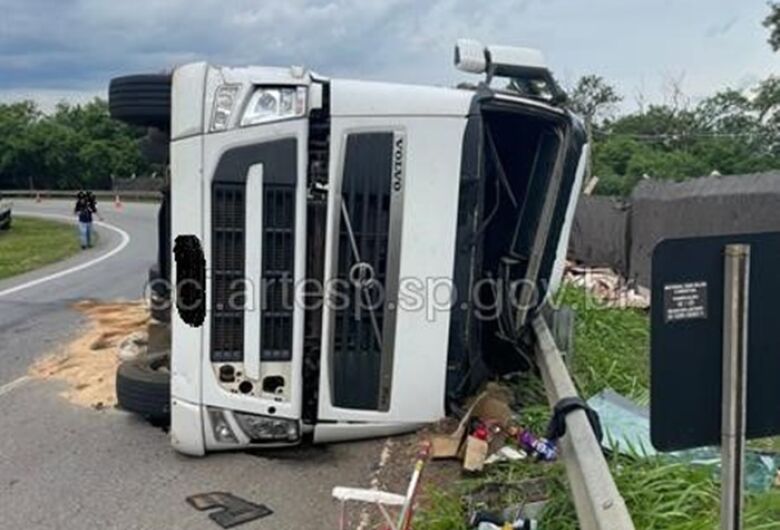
[{"x": 117, "y": 202}]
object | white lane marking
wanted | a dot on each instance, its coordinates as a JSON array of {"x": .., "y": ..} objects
[
  {"x": 16, "y": 383},
  {"x": 364, "y": 517},
  {"x": 32, "y": 283}
]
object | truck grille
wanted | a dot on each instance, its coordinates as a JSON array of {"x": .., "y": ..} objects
[
  {"x": 358, "y": 332},
  {"x": 278, "y": 271},
  {"x": 227, "y": 331},
  {"x": 276, "y": 239}
]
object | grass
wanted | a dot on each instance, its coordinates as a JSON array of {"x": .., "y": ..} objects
[
  {"x": 611, "y": 347},
  {"x": 611, "y": 351},
  {"x": 33, "y": 243},
  {"x": 664, "y": 495}
]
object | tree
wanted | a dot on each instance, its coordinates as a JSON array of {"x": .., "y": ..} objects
[
  {"x": 75, "y": 146},
  {"x": 592, "y": 98},
  {"x": 772, "y": 21},
  {"x": 766, "y": 101},
  {"x": 15, "y": 119},
  {"x": 733, "y": 132},
  {"x": 729, "y": 111}
]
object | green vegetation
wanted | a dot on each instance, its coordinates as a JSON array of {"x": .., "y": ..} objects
[
  {"x": 611, "y": 347},
  {"x": 772, "y": 21},
  {"x": 77, "y": 146},
  {"x": 611, "y": 350},
  {"x": 33, "y": 243},
  {"x": 666, "y": 496},
  {"x": 731, "y": 132}
]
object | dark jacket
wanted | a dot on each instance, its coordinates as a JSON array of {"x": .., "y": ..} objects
[{"x": 85, "y": 208}]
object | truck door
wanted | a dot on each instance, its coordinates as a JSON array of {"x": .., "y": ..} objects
[{"x": 384, "y": 355}]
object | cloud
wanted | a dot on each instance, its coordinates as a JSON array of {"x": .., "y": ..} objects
[
  {"x": 716, "y": 30},
  {"x": 78, "y": 43},
  {"x": 76, "y": 46}
]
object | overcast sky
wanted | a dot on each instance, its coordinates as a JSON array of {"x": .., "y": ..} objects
[{"x": 55, "y": 49}]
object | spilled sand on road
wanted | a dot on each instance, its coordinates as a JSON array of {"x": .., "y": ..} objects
[{"x": 88, "y": 364}]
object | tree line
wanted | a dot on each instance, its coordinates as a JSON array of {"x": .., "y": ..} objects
[
  {"x": 75, "y": 146},
  {"x": 731, "y": 132}
]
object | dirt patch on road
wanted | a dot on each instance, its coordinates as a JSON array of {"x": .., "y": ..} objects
[{"x": 88, "y": 363}]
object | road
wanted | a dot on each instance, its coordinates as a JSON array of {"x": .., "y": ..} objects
[{"x": 65, "y": 466}]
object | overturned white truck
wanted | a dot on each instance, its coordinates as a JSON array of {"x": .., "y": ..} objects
[{"x": 350, "y": 256}]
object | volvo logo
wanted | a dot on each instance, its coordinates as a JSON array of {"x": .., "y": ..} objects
[
  {"x": 398, "y": 162},
  {"x": 362, "y": 275}
]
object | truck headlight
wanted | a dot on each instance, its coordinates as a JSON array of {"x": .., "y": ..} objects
[
  {"x": 274, "y": 103},
  {"x": 266, "y": 428},
  {"x": 220, "y": 426},
  {"x": 224, "y": 102}
]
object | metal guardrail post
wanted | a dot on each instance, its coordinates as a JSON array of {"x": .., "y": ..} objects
[
  {"x": 597, "y": 500},
  {"x": 735, "y": 342}
]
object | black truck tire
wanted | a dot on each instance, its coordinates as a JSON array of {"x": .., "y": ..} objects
[
  {"x": 143, "y": 386},
  {"x": 143, "y": 100}
]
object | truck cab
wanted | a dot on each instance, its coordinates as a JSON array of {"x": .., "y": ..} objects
[{"x": 350, "y": 257}]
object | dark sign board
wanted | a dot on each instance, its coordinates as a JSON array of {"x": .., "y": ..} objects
[{"x": 687, "y": 340}]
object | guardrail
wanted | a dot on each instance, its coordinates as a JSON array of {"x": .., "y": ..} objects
[
  {"x": 597, "y": 500},
  {"x": 105, "y": 195}
]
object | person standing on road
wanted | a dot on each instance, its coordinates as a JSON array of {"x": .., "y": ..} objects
[{"x": 86, "y": 206}]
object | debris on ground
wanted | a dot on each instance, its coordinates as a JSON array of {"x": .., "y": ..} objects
[
  {"x": 133, "y": 346},
  {"x": 608, "y": 287},
  {"x": 485, "y": 429},
  {"x": 523, "y": 515},
  {"x": 506, "y": 454},
  {"x": 490, "y": 417},
  {"x": 383, "y": 500},
  {"x": 480, "y": 520},
  {"x": 88, "y": 364},
  {"x": 627, "y": 431},
  {"x": 233, "y": 511},
  {"x": 476, "y": 453},
  {"x": 626, "y": 425},
  {"x": 541, "y": 448}
]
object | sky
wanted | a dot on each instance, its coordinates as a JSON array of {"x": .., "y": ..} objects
[{"x": 52, "y": 50}]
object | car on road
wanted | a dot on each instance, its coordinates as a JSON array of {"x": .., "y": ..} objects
[{"x": 350, "y": 258}]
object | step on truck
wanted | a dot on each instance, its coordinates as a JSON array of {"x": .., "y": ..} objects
[{"x": 349, "y": 258}]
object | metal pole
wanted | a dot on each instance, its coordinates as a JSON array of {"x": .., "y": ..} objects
[{"x": 735, "y": 340}]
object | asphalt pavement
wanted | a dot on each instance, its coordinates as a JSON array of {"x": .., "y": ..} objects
[{"x": 64, "y": 466}]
